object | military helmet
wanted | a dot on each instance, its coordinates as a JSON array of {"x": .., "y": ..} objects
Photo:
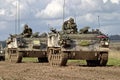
[
  {"x": 25, "y": 26},
  {"x": 71, "y": 20}
]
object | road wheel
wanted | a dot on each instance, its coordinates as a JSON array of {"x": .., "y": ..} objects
[
  {"x": 92, "y": 62},
  {"x": 2, "y": 58},
  {"x": 42, "y": 60},
  {"x": 103, "y": 59}
]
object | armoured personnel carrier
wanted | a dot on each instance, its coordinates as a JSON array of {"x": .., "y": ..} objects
[
  {"x": 19, "y": 47},
  {"x": 91, "y": 46}
]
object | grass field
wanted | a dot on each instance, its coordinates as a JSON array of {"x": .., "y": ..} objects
[
  {"x": 30, "y": 59},
  {"x": 114, "y": 59}
]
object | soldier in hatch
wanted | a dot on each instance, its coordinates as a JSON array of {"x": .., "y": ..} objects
[
  {"x": 27, "y": 32},
  {"x": 64, "y": 27},
  {"x": 70, "y": 26}
]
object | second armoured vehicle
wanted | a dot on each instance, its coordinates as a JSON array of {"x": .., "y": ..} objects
[{"x": 19, "y": 47}]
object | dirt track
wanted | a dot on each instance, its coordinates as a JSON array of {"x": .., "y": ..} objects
[{"x": 42, "y": 71}]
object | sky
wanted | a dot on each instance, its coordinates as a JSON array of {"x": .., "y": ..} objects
[{"x": 40, "y": 15}]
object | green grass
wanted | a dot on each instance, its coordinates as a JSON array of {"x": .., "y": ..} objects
[
  {"x": 30, "y": 59},
  {"x": 113, "y": 62},
  {"x": 114, "y": 58},
  {"x": 80, "y": 62}
]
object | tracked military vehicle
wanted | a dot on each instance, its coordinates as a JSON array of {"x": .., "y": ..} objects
[
  {"x": 69, "y": 43},
  {"x": 19, "y": 47}
]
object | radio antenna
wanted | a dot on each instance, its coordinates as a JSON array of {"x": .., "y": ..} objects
[
  {"x": 99, "y": 21},
  {"x": 63, "y": 10},
  {"x": 17, "y": 17}
]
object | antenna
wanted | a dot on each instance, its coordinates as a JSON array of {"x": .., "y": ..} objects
[
  {"x": 17, "y": 17},
  {"x": 99, "y": 21},
  {"x": 63, "y": 10},
  {"x": 75, "y": 17}
]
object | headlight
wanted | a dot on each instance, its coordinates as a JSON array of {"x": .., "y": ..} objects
[
  {"x": 106, "y": 43},
  {"x": 1, "y": 51}
]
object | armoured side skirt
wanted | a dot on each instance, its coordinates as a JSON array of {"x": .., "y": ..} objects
[
  {"x": 28, "y": 53},
  {"x": 2, "y": 55},
  {"x": 84, "y": 55},
  {"x": 34, "y": 54}
]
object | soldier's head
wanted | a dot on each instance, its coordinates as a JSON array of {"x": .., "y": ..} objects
[
  {"x": 71, "y": 20},
  {"x": 65, "y": 22},
  {"x": 25, "y": 26}
]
